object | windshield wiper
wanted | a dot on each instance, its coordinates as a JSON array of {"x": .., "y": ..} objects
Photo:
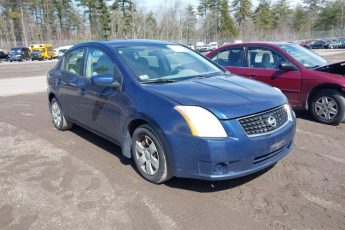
[
  {"x": 159, "y": 81},
  {"x": 209, "y": 75}
]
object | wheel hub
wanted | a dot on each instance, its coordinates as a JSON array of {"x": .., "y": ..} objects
[
  {"x": 56, "y": 113},
  {"x": 146, "y": 155},
  {"x": 326, "y": 108}
]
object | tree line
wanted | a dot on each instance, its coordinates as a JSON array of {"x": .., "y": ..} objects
[{"x": 27, "y": 21}]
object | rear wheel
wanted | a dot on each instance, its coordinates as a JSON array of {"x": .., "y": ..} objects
[
  {"x": 328, "y": 106},
  {"x": 59, "y": 119},
  {"x": 149, "y": 155}
]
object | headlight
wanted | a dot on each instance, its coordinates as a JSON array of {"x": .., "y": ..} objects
[
  {"x": 201, "y": 122},
  {"x": 289, "y": 111}
]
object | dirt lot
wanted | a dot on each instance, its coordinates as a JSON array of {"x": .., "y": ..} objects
[{"x": 76, "y": 180}]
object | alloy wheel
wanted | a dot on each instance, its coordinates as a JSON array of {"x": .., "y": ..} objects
[
  {"x": 56, "y": 113},
  {"x": 146, "y": 154},
  {"x": 326, "y": 108}
]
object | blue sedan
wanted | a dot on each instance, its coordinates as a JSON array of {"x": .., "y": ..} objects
[{"x": 173, "y": 111}]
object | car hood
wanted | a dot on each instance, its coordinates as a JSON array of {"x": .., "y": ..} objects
[
  {"x": 334, "y": 68},
  {"x": 226, "y": 97}
]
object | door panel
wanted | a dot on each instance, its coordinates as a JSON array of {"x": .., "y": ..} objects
[
  {"x": 70, "y": 82},
  {"x": 100, "y": 106},
  {"x": 264, "y": 66},
  {"x": 288, "y": 82}
]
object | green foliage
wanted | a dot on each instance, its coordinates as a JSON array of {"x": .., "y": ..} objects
[
  {"x": 312, "y": 5},
  {"x": 104, "y": 18},
  {"x": 243, "y": 12},
  {"x": 14, "y": 15},
  {"x": 203, "y": 7},
  {"x": 300, "y": 19},
  {"x": 281, "y": 13},
  {"x": 189, "y": 22},
  {"x": 263, "y": 16},
  {"x": 331, "y": 16},
  {"x": 227, "y": 25},
  {"x": 127, "y": 7}
]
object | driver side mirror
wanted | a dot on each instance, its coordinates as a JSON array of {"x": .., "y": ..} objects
[
  {"x": 286, "y": 66},
  {"x": 105, "y": 80}
]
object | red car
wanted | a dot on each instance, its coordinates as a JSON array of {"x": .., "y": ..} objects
[{"x": 304, "y": 77}]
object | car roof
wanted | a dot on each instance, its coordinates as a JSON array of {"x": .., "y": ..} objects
[
  {"x": 260, "y": 43},
  {"x": 127, "y": 42}
]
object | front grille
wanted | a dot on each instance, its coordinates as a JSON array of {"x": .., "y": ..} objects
[{"x": 264, "y": 123}]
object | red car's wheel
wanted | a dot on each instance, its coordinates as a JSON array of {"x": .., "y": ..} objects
[{"x": 328, "y": 106}]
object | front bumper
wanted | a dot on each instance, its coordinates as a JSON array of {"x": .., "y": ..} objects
[
  {"x": 16, "y": 58},
  {"x": 232, "y": 157},
  {"x": 36, "y": 58}
]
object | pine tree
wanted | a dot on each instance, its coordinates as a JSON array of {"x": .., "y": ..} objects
[
  {"x": 242, "y": 10},
  {"x": 227, "y": 25},
  {"x": 330, "y": 16},
  {"x": 91, "y": 8},
  {"x": 203, "y": 8},
  {"x": 127, "y": 7},
  {"x": 189, "y": 22},
  {"x": 281, "y": 11},
  {"x": 263, "y": 16},
  {"x": 104, "y": 19},
  {"x": 300, "y": 19}
]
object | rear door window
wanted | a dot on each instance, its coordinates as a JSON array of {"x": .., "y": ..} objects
[
  {"x": 264, "y": 58},
  {"x": 230, "y": 57}
]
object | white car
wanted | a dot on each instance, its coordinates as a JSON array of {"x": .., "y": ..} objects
[
  {"x": 191, "y": 47},
  {"x": 62, "y": 50},
  {"x": 213, "y": 45}
]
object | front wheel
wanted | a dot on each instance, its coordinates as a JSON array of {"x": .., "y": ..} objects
[
  {"x": 149, "y": 155},
  {"x": 328, "y": 107},
  {"x": 59, "y": 119}
]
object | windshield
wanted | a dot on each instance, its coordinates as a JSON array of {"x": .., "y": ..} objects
[
  {"x": 36, "y": 51},
  {"x": 303, "y": 56},
  {"x": 166, "y": 62},
  {"x": 16, "y": 50}
]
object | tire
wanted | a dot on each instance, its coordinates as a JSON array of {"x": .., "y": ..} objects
[
  {"x": 59, "y": 120},
  {"x": 149, "y": 155},
  {"x": 328, "y": 107}
]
